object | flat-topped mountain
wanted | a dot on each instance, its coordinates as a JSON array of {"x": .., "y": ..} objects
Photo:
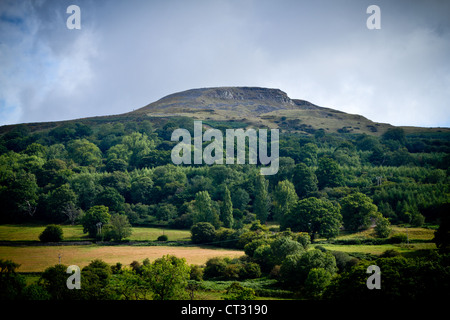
[
  {"x": 260, "y": 107},
  {"x": 247, "y": 106}
]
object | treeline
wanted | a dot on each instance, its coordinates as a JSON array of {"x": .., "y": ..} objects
[{"x": 57, "y": 175}]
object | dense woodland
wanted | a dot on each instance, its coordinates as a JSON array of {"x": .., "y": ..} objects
[
  {"x": 120, "y": 173},
  {"x": 55, "y": 175}
]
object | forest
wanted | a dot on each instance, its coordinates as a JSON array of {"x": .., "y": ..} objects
[{"x": 120, "y": 174}]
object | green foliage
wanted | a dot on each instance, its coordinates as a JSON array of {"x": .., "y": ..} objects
[
  {"x": 167, "y": 277},
  {"x": 117, "y": 228},
  {"x": 314, "y": 216},
  {"x": 357, "y": 211},
  {"x": 328, "y": 173},
  {"x": 203, "y": 232},
  {"x": 93, "y": 217},
  {"x": 284, "y": 198},
  {"x": 261, "y": 204},
  {"x": 295, "y": 269},
  {"x": 226, "y": 214},
  {"x": 51, "y": 233},
  {"x": 237, "y": 292},
  {"x": 12, "y": 284}
]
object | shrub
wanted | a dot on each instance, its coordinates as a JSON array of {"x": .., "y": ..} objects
[
  {"x": 163, "y": 237},
  {"x": 237, "y": 292},
  {"x": 215, "y": 268},
  {"x": 203, "y": 232},
  {"x": 52, "y": 233},
  {"x": 398, "y": 238}
]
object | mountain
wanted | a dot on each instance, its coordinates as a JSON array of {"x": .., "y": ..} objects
[
  {"x": 248, "y": 106},
  {"x": 263, "y": 107}
]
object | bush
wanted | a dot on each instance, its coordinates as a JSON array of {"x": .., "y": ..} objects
[
  {"x": 52, "y": 233},
  {"x": 398, "y": 238},
  {"x": 203, "y": 232},
  {"x": 163, "y": 237}
]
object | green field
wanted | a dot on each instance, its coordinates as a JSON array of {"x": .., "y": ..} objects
[{"x": 30, "y": 232}]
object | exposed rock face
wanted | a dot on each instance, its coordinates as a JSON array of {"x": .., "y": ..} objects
[{"x": 249, "y": 93}]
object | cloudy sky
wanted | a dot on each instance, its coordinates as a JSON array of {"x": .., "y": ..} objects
[{"x": 130, "y": 53}]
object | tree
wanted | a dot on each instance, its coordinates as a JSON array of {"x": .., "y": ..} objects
[
  {"x": 284, "y": 198},
  {"x": 382, "y": 227},
  {"x": 295, "y": 269},
  {"x": 112, "y": 199},
  {"x": 94, "y": 217},
  {"x": 54, "y": 279},
  {"x": 442, "y": 234},
  {"x": 51, "y": 233},
  {"x": 203, "y": 232},
  {"x": 316, "y": 282},
  {"x": 328, "y": 173},
  {"x": 57, "y": 201},
  {"x": 118, "y": 227},
  {"x": 12, "y": 284},
  {"x": 357, "y": 211},
  {"x": 166, "y": 211},
  {"x": 396, "y": 134},
  {"x": 240, "y": 199},
  {"x": 84, "y": 153},
  {"x": 314, "y": 216},
  {"x": 95, "y": 280},
  {"x": 261, "y": 203},
  {"x": 18, "y": 195},
  {"x": 226, "y": 214},
  {"x": 204, "y": 210},
  {"x": 305, "y": 180},
  {"x": 142, "y": 189},
  {"x": 167, "y": 277}
]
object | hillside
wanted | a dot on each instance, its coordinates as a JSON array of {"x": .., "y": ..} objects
[{"x": 248, "y": 106}]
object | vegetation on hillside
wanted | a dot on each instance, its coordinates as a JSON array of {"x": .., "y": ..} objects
[{"x": 112, "y": 176}]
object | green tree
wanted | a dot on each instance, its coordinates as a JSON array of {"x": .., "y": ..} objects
[
  {"x": 314, "y": 216},
  {"x": 226, "y": 214},
  {"x": 295, "y": 268},
  {"x": 54, "y": 279},
  {"x": 284, "y": 198},
  {"x": 167, "y": 277},
  {"x": 12, "y": 284},
  {"x": 305, "y": 180},
  {"x": 261, "y": 205},
  {"x": 166, "y": 211},
  {"x": 203, "y": 232},
  {"x": 357, "y": 211},
  {"x": 84, "y": 153},
  {"x": 112, "y": 199},
  {"x": 316, "y": 282},
  {"x": 204, "y": 210},
  {"x": 328, "y": 173},
  {"x": 94, "y": 216},
  {"x": 95, "y": 280},
  {"x": 142, "y": 190},
  {"x": 442, "y": 234},
  {"x": 118, "y": 227},
  {"x": 18, "y": 195},
  {"x": 382, "y": 227}
]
